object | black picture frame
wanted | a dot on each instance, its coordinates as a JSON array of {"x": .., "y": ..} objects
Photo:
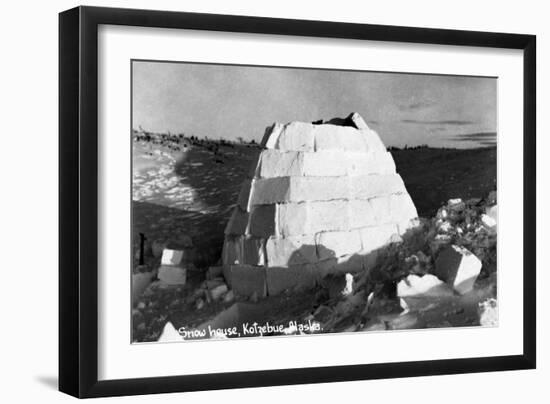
[{"x": 78, "y": 200}]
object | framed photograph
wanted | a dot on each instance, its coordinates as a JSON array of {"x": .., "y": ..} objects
[{"x": 251, "y": 201}]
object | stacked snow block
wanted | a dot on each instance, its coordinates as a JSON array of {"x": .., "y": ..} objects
[{"x": 321, "y": 198}]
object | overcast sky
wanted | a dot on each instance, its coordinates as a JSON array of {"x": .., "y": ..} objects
[{"x": 227, "y": 101}]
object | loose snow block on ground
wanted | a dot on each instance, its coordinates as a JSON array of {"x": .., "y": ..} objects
[
  {"x": 172, "y": 275},
  {"x": 458, "y": 267},
  {"x": 171, "y": 257},
  {"x": 425, "y": 286}
]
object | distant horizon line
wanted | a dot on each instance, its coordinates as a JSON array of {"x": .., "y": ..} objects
[{"x": 482, "y": 143}]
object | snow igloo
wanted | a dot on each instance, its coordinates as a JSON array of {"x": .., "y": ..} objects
[{"x": 321, "y": 198}]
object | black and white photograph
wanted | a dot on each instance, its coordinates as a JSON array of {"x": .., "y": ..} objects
[
  {"x": 278, "y": 202},
  {"x": 291, "y": 202}
]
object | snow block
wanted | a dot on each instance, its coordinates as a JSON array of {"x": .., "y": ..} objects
[
  {"x": 244, "y": 250},
  {"x": 370, "y": 186},
  {"x": 238, "y": 223},
  {"x": 263, "y": 221},
  {"x": 292, "y": 278},
  {"x": 362, "y": 214},
  {"x": 318, "y": 188},
  {"x": 458, "y": 267},
  {"x": 292, "y": 219},
  {"x": 286, "y": 251},
  {"x": 376, "y": 237},
  {"x": 337, "y": 244},
  {"x": 172, "y": 275},
  {"x": 327, "y": 163},
  {"x": 373, "y": 141},
  {"x": 312, "y": 217},
  {"x": 171, "y": 257},
  {"x": 247, "y": 280},
  {"x": 358, "y": 121},
  {"x": 232, "y": 251},
  {"x": 295, "y": 136},
  {"x": 328, "y": 216},
  {"x": 299, "y": 189},
  {"x": 344, "y": 138},
  {"x": 276, "y": 163},
  {"x": 270, "y": 191},
  {"x": 243, "y": 201},
  {"x": 381, "y": 209},
  {"x": 395, "y": 208},
  {"x": 402, "y": 208},
  {"x": 369, "y": 164},
  {"x": 253, "y": 251},
  {"x": 425, "y": 286},
  {"x": 271, "y": 135}
]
